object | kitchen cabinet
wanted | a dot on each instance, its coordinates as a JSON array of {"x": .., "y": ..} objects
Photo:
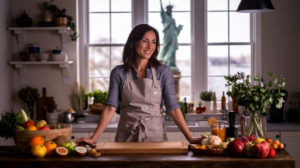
[
  {"x": 292, "y": 139},
  {"x": 106, "y": 137},
  {"x": 176, "y": 136},
  {"x": 8, "y": 142},
  {"x": 274, "y": 135},
  {"x": 76, "y": 135}
]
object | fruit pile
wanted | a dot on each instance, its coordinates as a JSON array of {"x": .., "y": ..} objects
[
  {"x": 59, "y": 147},
  {"x": 252, "y": 147}
]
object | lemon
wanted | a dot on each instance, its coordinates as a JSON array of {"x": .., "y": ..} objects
[
  {"x": 38, "y": 151},
  {"x": 259, "y": 140},
  {"x": 39, "y": 125}
]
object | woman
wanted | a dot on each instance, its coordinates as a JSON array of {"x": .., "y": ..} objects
[{"x": 140, "y": 84}]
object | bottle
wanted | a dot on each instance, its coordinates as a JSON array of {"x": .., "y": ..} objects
[
  {"x": 215, "y": 103},
  {"x": 231, "y": 131},
  {"x": 185, "y": 105},
  {"x": 223, "y": 100}
]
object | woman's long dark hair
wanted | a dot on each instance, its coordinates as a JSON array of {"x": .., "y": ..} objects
[{"x": 136, "y": 35}]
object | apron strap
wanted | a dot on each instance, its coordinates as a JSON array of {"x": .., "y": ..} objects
[
  {"x": 155, "y": 81},
  {"x": 128, "y": 77}
]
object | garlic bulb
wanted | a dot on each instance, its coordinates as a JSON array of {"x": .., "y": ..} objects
[{"x": 214, "y": 140}]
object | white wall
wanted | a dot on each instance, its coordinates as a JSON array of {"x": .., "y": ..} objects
[
  {"x": 6, "y": 71},
  {"x": 280, "y": 31},
  {"x": 49, "y": 76}
]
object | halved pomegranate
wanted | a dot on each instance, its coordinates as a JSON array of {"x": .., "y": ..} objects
[
  {"x": 61, "y": 151},
  {"x": 80, "y": 150}
]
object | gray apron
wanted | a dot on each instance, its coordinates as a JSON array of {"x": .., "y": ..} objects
[{"x": 141, "y": 117}]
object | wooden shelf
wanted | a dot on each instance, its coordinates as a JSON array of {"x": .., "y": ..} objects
[
  {"x": 21, "y": 32},
  {"x": 21, "y": 66}
]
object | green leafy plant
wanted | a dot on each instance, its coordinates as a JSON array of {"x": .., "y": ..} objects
[
  {"x": 206, "y": 95},
  {"x": 28, "y": 95},
  {"x": 182, "y": 108},
  {"x": 257, "y": 97},
  {"x": 61, "y": 13},
  {"x": 9, "y": 122},
  {"x": 200, "y": 104},
  {"x": 100, "y": 96}
]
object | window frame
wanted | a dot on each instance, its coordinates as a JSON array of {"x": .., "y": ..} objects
[{"x": 198, "y": 42}]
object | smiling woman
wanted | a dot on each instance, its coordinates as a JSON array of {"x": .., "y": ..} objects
[{"x": 140, "y": 85}]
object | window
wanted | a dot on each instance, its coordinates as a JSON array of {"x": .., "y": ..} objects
[
  {"x": 228, "y": 43},
  {"x": 109, "y": 26},
  {"x": 215, "y": 40},
  {"x": 182, "y": 15}
]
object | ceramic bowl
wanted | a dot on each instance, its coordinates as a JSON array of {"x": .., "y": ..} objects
[{"x": 44, "y": 57}]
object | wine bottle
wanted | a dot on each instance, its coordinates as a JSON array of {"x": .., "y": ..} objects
[{"x": 223, "y": 100}]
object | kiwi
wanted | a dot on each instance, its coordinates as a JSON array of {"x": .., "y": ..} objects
[{"x": 60, "y": 140}]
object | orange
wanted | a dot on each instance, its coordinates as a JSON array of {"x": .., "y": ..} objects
[
  {"x": 281, "y": 146},
  {"x": 269, "y": 140},
  {"x": 276, "y": 142},
  {"x": 38, "y": 150},
  {"x": 274, "y": 146},
  {"x": 36, "y": 140},
  {"x": 93, "y": 151},
  {"x": 31, "y": 128},
  {"x": 211, "y": 121},
  {"x": 50, "y": 146}
]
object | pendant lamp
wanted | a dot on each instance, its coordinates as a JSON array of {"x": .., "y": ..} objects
[{"x": 255, "y": 6}]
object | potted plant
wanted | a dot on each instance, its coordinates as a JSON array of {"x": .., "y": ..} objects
[
  {"x": 182, "y": 108},
  {"x": 77, "y": 98},
  {"x": 98, "y": 102},
  {"x": 256, "y": 98},
  {"x": 61, "y": 19},
  {"x": 29, "y": 96},
  {"x": 200, "y": 108},
  {"x": 206, "y": 97}
]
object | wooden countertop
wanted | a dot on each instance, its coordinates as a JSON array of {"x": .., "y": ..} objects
[{"x": 10, "y": 157}]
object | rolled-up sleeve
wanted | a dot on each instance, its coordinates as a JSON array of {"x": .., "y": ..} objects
[
  {"x": 113, "y": 92},
  {"x": 168, "y": 92}
]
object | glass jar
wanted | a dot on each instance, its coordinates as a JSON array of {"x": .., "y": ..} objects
[{"x": 219, "y": 130}]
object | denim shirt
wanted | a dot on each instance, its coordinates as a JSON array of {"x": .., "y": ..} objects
[{"x": 163, "y": 73}]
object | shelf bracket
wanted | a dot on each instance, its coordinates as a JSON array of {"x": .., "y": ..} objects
[
  {"x": 65, "y": 73},
  {"x": 64, "y": 39},
  {"x": 22, "y": 74},
  {"x": 21, "y": 39}
]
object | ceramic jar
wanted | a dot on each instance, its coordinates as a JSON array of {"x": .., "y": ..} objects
[
  {"x": 61, "y": 21},
  {"x": 34, "y": 52},
  {"x": 24, "y": 20},
  {"x": 56, "y": 54}
]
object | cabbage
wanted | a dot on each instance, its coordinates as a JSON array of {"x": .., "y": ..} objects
[{"x": 70, "y": 145}]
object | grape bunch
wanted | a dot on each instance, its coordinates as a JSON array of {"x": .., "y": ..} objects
[{"x": 249, "y": 139}]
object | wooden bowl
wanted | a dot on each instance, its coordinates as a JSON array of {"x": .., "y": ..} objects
[
  {"x": 208, "y": 152},
  {"x": 22, "y": 137}
]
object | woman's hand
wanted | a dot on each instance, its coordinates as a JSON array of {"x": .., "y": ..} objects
[
  {"x": 81, "y": 141},
  {"x": 195, "y": 140}
]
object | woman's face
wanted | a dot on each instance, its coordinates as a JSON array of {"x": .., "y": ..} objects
[{"x": 146, "y": 46}]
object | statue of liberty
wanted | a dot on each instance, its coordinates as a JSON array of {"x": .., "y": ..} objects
[{"x": 168, "y": 52}]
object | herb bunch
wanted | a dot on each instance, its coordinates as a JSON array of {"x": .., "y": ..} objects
[
  {"x": 9, "y": 122},
  {"x": 28, "y": 95},
  {"x": 100, "y": 96}
]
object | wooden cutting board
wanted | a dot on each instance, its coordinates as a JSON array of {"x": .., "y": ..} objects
[
  {"x": 41, "y": 102},
  {"x": 142, "y": 147}
]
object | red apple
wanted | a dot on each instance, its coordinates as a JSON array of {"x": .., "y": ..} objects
[
  {"x": 236, "y": 148},
  {"x": 272, "y": 153},
  {"x": 28, "y": 123},
  {"x": 202, "y": 109},
  {"x": 24, "y": 56},
  {"x": 260, "y": 150},
  {"x": 44, "y": 128}
]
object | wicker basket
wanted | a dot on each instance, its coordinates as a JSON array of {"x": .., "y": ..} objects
[
  {"x": 97, "y": 108},
  {"x": 22, "y": 137}
]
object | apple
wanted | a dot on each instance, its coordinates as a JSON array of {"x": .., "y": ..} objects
[
  {"x": 272, "y": 153},
  {"x": 202, "y": 109},
  {"x": 236, "y": 148},
  {"x": 260, "y": 150},
  {"x": 24, "y": 56},
  {"x": 28, "y": 123},
  {"x": 45, "y": 128}
]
